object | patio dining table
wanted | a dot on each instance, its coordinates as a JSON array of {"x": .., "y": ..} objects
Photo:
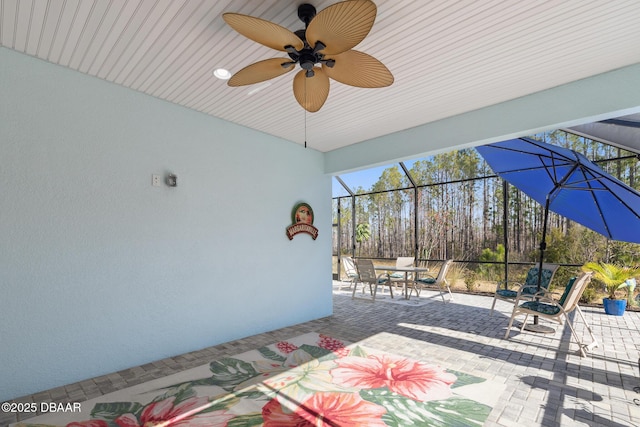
[{"x": 406, "y": 270}]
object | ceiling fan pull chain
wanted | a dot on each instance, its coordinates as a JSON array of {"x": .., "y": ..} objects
[{"x": 305, "y": 113}]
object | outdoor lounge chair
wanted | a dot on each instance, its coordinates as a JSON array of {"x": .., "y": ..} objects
[
  {"x": 440, "y": 280},
  {"x": 350, "y": 270},
  {"x": 526, "y": 289},
  {"x": 367, "y": 276},
  {"x": 545, "y": 307}
]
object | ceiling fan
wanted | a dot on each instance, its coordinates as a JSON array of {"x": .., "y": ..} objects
[{"x": 323, "y": 49}]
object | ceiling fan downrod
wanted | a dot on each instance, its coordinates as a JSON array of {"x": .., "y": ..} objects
[
  {"x": 306, "y": 12},
  {"x": 307, "y": 57}
]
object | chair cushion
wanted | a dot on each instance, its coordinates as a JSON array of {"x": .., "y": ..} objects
[
  {"x": 532, "y": 278},
  {"x": 566, "y": 291},
  {"x": 427, "y": 280},
  {"x": 530, "y": 290},
  {"x": 397, "y": 275},
  {"x": 540, "y": 307},
  {"x": 507, "y": 293},
  {"x": 530, "y": 285}
]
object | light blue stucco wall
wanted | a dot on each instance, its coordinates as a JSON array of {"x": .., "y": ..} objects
[{"x": 100, "y": 271}]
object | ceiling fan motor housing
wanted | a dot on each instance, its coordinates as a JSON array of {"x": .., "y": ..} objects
[{"x": 308, "y": 57}]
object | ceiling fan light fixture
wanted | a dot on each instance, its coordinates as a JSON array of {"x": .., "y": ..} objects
[
  {"x": 329, "y": 62},
  {"x": 222, "y": 73}
]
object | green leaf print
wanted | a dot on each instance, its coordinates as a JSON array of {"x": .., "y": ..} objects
[
  {"x": 358, "y": 352},
  {"x": 246, "y": 420},
  {"x": 452, "y": 412},
  {"x": 464, "y": 379},
  {"x": 229, "y": 372},
  {"x": 271, "y": 355},
  {"x": 181, "y": 392},
  {"x": 112, "y": 410},
  {"x": 316, "y": 352},
  {"x": 459, "y": 411}
]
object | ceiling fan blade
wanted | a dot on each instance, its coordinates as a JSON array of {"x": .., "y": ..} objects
[
  {"x": 359, "y": 69},
  {"x": 311, "y": 92},
  {"x": 263, "y": 32},
  {"x": 342, "y": 26},
  {"x": 261, "y": 71}
]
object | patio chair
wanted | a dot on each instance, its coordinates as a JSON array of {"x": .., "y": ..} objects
[
  {"x": 350, "y": 270},
  {"x": 399, "y": 277},
  {"x": 367, "y": 276},
  {"x": 440, "y": 280},
  {"x": 526, "y": 289},
  {"x": 545, "y": 307}
]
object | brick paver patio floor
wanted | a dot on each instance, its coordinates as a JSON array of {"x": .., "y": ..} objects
[{"x": 547, "y": 383}]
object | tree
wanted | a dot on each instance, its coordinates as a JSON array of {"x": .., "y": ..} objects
[
  {"x": 492, "y": 271},
  {"x": 363, "y": 232},
  {"x": 458, "y": 208}
]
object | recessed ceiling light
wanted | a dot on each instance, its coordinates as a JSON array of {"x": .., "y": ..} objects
[{"x": 222, "y": 74}]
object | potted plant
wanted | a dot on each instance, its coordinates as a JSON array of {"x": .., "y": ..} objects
[{"x": 614, "y": 278}]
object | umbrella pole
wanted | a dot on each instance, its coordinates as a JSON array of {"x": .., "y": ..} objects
[
  {"x": 505, "y": 227},
  {"x": 543, "y": 243},
  {"x": 535, "y": 327}
]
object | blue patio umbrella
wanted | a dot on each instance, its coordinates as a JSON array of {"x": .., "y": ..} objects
[{"x": 567, "y": 183}]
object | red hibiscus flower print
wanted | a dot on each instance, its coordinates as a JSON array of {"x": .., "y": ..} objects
[
  {"x": 406, "y": 377},
  {"x": 274, "y": 416},
  {"x": 326, "y": 409},
  {"x": 186, "y": 414},
  {"x": 90, "y": 423}
]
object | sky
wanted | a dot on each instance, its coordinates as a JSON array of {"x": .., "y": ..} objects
[{"x": 364, "y": 178}]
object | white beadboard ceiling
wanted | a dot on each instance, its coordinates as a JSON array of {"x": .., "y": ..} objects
[{"x": 448, "y": 57}]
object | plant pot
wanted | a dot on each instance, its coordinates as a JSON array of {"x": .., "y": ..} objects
[{"x": 614, "y": 307}]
